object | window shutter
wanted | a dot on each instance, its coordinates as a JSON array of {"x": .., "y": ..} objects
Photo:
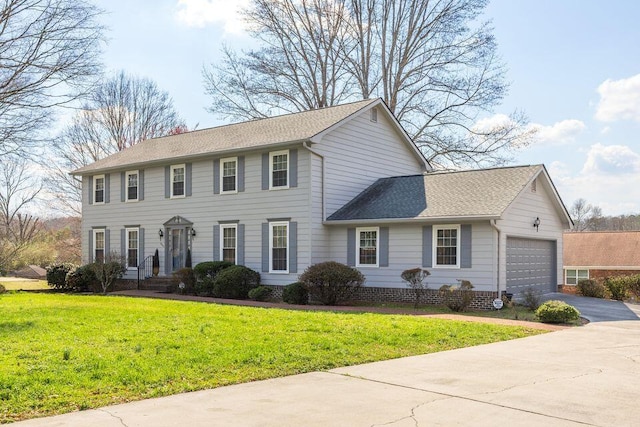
[
  {"x": 240, "y": 242},
  {"x": 107, "y": 187},
  {"x": 293, "y": 168},
  {"x": 351, "y": 247},
  {"x": 265, "y": 247},
  {"x": 90, "y": 259},
  {"x": 107, "y": 243},
  {"x": 216, "y": 177},
  {"x": 240, "y": 172},
  {"x": 90, "y": 190},
  {"x": 216, "y": 243},
  {"x": 123, "y": 244},
  {"x": 123, "y": 187},
  {"x": 141, "y": 185},
  {"x": 140, "y": 246},
  {"x": 293, "y": 247},
  {"x": 465, "y": 246},
  {"x": 427, "y": 246},
  {"x": 167, "y": 182},
  {"x": 383, "y": 256},
  {"x": 265, "y": 171},
  {"x": 187, "y": 179}
]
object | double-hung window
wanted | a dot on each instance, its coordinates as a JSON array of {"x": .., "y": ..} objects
[
  {"x": 279, "y": 247},
  {"x": 98, "y": 245},
  {"x": 131, "y": 235},
  {"x": 229, "y": 242},
  {"x": 367, "y": 249},
  {"x": 573, "y": 275},
  {"x": 229, "y": 175},
  {"x": 446, "y": 241},
  {"x": 98, "y": 189},
  {"x": 279, "y": 169},
  {"x": 178, "y": 181},
  {"x": 131, "y": 180}
]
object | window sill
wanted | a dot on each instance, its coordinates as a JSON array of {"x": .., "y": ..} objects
[
  {"x": 228, "y": 192},
  {"x": 178, "y": 197},
  {"x": 279, "y": 188},
  {"x": 279, "y": 272}
]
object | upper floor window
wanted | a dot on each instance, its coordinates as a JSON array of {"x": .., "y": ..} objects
[
  {"x": 132, "y": 185},
  {"x": 98, "y": 245},
  {"x": 279, "y": 242},
  {"x": 229, "y": 175},
  {"x": 229, "y": 242},
  {"x": 446, "y": 244},
  {"x": 98, "y": 189},
  {"x": 279, "y": 169},
  {"x": 367, "y": 249},
  {"x": 573, "y": 276},
  {"x": 177, "y": 180},
  {"x": 132, "y": 247}
]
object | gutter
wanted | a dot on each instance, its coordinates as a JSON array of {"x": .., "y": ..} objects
[
  {"x": 433, "y": 219},
  {"x": 495, "y": 226}
]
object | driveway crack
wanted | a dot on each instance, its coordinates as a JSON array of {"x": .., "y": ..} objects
[{"x": 114, "y": 416}]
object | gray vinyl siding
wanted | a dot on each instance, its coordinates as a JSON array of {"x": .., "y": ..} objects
[
  {"x": 319, "y": 243},
  {"x": 405, "y": 251},
  {"x": 204, "y": 209},
  {"x": 358, "y": 153}
]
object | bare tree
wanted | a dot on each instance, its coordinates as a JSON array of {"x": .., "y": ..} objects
[
  {"x": 433, "y": 62},
  {"x": 587, "y": 217},
  {"x": 122, "y": 111},
  {"x": 48, "y": 58}
]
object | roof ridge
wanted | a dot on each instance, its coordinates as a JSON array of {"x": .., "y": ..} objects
[{"x": 444, "y": 172}]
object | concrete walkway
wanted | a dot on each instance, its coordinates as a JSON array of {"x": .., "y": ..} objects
[{"x": 578, "y": 376}]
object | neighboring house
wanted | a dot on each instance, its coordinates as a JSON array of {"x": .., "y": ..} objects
[
  {"x": 31, "y": 272},
  {"x": 600, "y": 254},
  {"x": 343, "y": 183}
]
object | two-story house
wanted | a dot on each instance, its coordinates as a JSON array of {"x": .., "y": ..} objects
[{"x": 343, "y": 183}]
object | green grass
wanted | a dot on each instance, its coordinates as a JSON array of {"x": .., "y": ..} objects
[
  {"x": 63, "y": 352},
  {"x": 13, "y": 284}
]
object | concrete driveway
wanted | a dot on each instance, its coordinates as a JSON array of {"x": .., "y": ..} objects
[
  {"x": 599, "y": 310},
  {"x": 579, "y": 376}
]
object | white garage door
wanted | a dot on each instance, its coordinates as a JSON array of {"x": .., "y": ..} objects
[{"x": 531, "y": 264}]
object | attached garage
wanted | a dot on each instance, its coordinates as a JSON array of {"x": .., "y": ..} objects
[{"x": 531, "y": 264}]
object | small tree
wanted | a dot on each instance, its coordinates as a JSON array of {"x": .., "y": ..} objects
[
  {"x": 111, "y": 269},
  {"x": 415, "y": 277}
]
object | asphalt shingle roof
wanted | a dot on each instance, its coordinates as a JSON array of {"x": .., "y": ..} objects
[
  {"x": 602, "y": 249},
  {"x": 255, "y": 133},
  {"x": 481, "y": 193}
]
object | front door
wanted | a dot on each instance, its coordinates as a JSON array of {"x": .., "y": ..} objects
[{"x": 177, "y": 249}]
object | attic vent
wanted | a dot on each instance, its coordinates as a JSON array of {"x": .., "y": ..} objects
[
  {"x": 533, "y": 185},
  {"x": 374, "y": 115}
]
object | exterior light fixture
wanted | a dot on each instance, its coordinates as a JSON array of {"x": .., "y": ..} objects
[
  {"x": 192, "y": 233},
  {"x": 160, "y": 233},
  {"x": 536, "y": 224}
]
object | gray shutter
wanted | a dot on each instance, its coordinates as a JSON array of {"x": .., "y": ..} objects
[
  {"x": 107, "y": 188},
  {"x": 240, "y": 242},
  {"x": 216, "y": 243},
  {"x": 351, "y": 247},
  {"x": 383, "y": 256},
  {"x": 265, "y": 247},
  {"x": 123, "y": 246},
  {"x": 141, "y": 185},
  {"x": 293, "y": 168},
  {"x": 90, "y": 190},
  {"x": 265, "y": 171},
  {"x": 427, "y": 245},
  {"x": 167, "y": 182},
  {"x": 123, "y": 187},
  {"x": 293, "y": 249},
  {"x": 465, "y": 246},
  {"x": 90, "y": 259},
  {"x": 107, "y": 242},
  {"x": 140, "y": 246},
  {"x": 216, "y": 176},
  {"x": 240, "y": 172},
  {"x": 187, "y": 179}
]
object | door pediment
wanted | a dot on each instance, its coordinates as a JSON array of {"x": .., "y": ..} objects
[{"x": 178, "y": 221}]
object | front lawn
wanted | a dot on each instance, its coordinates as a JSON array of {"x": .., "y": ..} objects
[
  {"x": 62, "y": 353},
  {"x": 18, "y": 284}
]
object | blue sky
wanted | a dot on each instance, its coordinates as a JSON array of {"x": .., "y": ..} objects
[{"x": 574, "y": 68}]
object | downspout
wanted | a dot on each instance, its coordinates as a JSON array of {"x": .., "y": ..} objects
[
  {"x": 306, "y": 145},
  {"x": 494, "y": 225}
]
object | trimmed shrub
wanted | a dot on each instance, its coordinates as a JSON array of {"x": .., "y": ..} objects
[
  {"x": 331, "y": 282},
  {"x": 457, "y": 298},
  {"x": 107, "y": 272},
  {"x": 205, "y": 273},
  {"x": 82, "y": 279},
  {"x": 555, "y": 311},
  {"x": 261, "y": 293},
  {"x": 531, "y": 299},
  {"x": 634, "y": 285},
  {"x": 235, "y": 282},
  {"x": 57, "y": 275},
  {"x": 295, "y": 293},
  {"x": 415, "y": 277},
  {"x": 618, "y": 287},
  {"x": 185, "y": 275},
  {"x": 591, "y": 288}
]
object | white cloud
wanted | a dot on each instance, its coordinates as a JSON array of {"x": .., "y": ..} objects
[
  {"x": 611, "y": 160},
  {"x": 619, "y": 100},
  {"x": 200, "y": 13},
  {"x": 562, "y": 132}
]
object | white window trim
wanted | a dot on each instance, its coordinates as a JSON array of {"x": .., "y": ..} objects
[
  {"x": 222, "y": 228},
  {"x": 272, "y": 154},
  {"x": 271, "y": 226},
  {"x": 93, "y": 243},
  {"x": 358, "y": 231},
  {"x": 434, "y": 251},
  {"x": 184, "y": 183},
  {"x": 566, "y": 276},
  {"x": 104, "y": 189},
  {"x": 222, "y": 161},
  {"x": 126, "y": 255},
  {"x": 126, "y": 186}
]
